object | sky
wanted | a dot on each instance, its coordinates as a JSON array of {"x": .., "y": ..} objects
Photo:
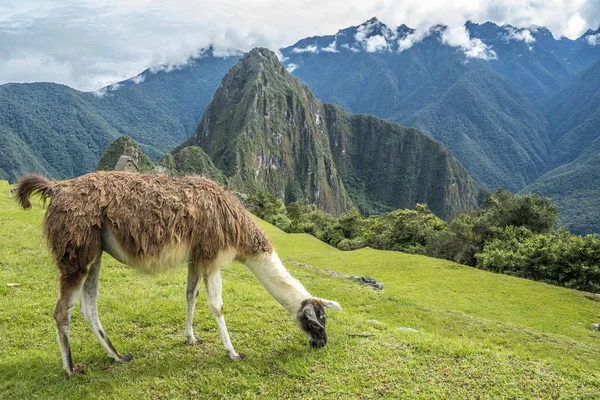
[{"x": 89, "y": 44}]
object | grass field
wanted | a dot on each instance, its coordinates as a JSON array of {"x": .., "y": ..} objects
[{"x": 479, "y": 335}]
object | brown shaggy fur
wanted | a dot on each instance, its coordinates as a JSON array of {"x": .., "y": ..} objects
[{"x": 146, "y": 213}]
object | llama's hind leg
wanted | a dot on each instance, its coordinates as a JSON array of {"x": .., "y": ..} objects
[
  {"x": 191, "y": 293},
  {"x": 89, "y": 310},
  {"x": 69, "y": 292},
  {"x": 213, "y": 283}
]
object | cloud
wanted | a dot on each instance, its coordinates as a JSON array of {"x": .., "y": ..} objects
[
  {"x": 312, "y": 48},
  {"x": 28, "y": 67},
  {"x": 376, "y": 43},
  {"x": 291, "y": 67},
  {"x": 139, "y": 79},
  {"x": 332, "y": 48},
  {"x": 374, "y": 36},
  {"x": 593, "y": 40},
  {"x": 362, "y": 32},
  {"x": 89, "y": 44},
  {"x": 100, "y": 92},
  {"x": 413, "y": 38},
  {"x": 473, "y": 48},
  {"x": 590, "y": 13},
  {"x": 352, "y": 49},
  {"x": 519, "y": 35}
]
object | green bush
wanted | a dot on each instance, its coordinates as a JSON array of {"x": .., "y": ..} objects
[
  {"x": 403, "y": 229},
  {"x": 559, "y": 258},
  {"x": 508, "y": 234},
  {"x": 351, "y": 244}
]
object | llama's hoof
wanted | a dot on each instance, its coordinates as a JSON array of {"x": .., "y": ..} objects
[
  {"x": 193, "y": 340},
  {"x": 238, "y": 357},
  {"x": 77, "y": 369},
  {"x": 126, "y": 358}
]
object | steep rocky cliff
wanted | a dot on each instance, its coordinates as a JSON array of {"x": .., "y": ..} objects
[{"x": 266, "y": 131}]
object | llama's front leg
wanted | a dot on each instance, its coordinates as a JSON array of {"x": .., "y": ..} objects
[
  {"x": 191, "y": 293},
  {"x": 213, "y": 284},
  {"x": 89, "y": 310}
]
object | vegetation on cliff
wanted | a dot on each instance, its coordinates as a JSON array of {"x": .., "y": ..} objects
[{"x": 267, "y": 132}]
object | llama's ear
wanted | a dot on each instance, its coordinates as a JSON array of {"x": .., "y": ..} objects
[
  {"x": 334, "y": 305},
  {"x": 309, "y": 311}
]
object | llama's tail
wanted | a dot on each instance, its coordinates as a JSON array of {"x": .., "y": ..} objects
[{"x": 30, "y": 184}]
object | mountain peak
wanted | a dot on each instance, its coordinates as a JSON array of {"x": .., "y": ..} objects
[
  {"x": 261, "y": 53},
  {"x": 256, "y": 62},
  {"x": 266, "y": 131},
  {"x": 124, "y": 146},
  {"x": 259, "y": 57}
]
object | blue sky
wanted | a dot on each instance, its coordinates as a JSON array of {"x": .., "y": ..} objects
[{"x": 90, "y": 44}]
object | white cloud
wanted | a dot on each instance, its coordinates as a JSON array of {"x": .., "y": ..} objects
[
  {"x": 308, "y": 49},
  {"x": 352, "y": 49},
  {"x": 376, "y": 43},
  {"x": 362, "y": 32},
  {"x": 332, "y": 48},
  {"x": 170, "y": 66},
  {"x": 280, "y": 56},
  {"x": 291, "y": 67},
  {"x": 89, "y": 44},
  {"x": 455, "y": 36},
  {"x": 100, "y": 92},
  {"x": 412, "y": 38},
  {"x": 519, "y": 35},
  {"x": 575, "y": 25},
  {"x": 590, "y": 12},
  {"x": 365, "y": 34},
  {"x": 473, "y": 48},
  {"x": 593, "y": 40},
  {"x": 139, "y": 79},
  {"x": 28, "y": 67}
]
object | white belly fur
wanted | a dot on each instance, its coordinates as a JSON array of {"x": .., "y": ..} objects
[{"x": 172, "y": 255}]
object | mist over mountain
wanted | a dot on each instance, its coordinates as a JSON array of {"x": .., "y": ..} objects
[
  {"x": 61, "y": 132},
  {"x": 514, "y": 105}
]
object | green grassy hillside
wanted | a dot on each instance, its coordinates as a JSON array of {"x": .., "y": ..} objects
[{"x": 479, "y": 335}]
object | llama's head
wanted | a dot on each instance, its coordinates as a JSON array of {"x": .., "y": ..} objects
[{"x": 312, "y": 319}]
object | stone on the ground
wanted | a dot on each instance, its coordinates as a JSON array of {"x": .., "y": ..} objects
[{"x": 405, "y": 329}]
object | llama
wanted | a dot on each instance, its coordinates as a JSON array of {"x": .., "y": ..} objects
[{"x": 154, "y": 223}]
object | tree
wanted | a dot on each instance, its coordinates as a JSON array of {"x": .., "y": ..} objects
[{"x": 502, "y": 208}]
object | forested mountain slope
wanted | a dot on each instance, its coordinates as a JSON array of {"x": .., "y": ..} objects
[
  {"x": 61, "y": 132},
  {"x": 266, "y": 131}
]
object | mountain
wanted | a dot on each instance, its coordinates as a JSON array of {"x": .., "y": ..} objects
[
  {"x": 266, "y": 131},
  {"x": 529, "y": 57},
  {"x": 511, "y": 117},
  {"x": 575, "y": 188},
  {"x": 191, "y": 160},
  {"x": 492, "y": 125},
  {"x": 574, "y": 181},
  {"x": 124, "y": 146},
  {"x": 61, "y": 132},
  {"x": 574, "y": 116}
]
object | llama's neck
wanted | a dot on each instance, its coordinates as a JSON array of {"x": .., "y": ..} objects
[{"x": 271, "y": 273}]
